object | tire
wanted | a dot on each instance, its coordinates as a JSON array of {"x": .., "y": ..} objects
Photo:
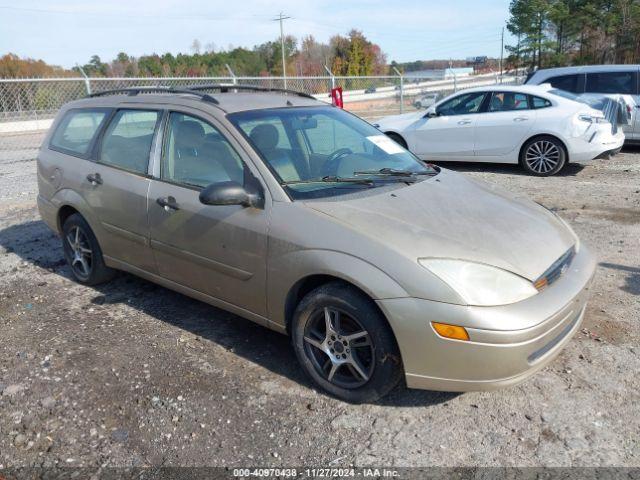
[
  {"x": 543, "y": 156},
  {"x": 358, "y": 369},
  {"x": 418, "y": 105},
  {"x": 397, "y": 138},
  {"x": 82, "y": 252}
]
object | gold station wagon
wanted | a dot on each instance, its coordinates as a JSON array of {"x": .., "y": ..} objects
[{"x": 307, "y": 220}]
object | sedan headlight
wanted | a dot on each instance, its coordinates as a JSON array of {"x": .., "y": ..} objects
[{"x": 480, "y": 284}]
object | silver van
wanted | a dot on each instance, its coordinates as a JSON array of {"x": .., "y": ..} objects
[{"x": 596, "y": 80}]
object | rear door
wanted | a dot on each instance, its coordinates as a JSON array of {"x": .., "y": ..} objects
[
  {"x": 450, "y": 134},
  {"x": 117, "y": 184},
  {"x": 218, "y": 250},
  {"x": 619, "y": 82},
  {"x": 505, "y": 123}
]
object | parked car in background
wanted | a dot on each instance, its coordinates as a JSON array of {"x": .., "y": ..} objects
[
  {"x": 370, "y": 90},
  {"x": 426, "y": 100},
  {"x": 305, "y": 219},
  {"x": 595, "y": 80},
  {"x": 534, "y": 126}
]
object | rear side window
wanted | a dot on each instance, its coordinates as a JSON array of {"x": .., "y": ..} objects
[
  {"x": 539, "y": 102},
  {"x": 127, "y": 141},
  {"x": 508, "y": 101},
  {"x": 611, "y": 82},
  {"x": 76, "y": 131},
  {"x": 568, "y": 83}
]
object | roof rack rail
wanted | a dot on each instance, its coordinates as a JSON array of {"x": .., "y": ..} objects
[
  {"x": 132, "y": 91},
  {"x": 225, "y": 87}
]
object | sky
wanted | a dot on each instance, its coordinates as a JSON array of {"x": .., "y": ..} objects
[{"x": 66, "y": 32}]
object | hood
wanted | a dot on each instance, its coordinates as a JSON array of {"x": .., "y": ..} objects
[
  {"x": 399, "y": 122},
  {"x": 452, "y": 216}
]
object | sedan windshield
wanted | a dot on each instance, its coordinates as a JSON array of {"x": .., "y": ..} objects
[{"x": 325, "y": 151}]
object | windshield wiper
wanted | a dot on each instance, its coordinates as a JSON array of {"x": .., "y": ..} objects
[
  {"x": 392, "y": 172},
  {"x": 331, "y": 179}
]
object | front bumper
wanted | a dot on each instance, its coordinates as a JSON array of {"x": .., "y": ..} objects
[{"x": 507, "y": 343}]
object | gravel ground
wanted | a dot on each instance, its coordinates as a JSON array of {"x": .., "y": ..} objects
[{"x": 132, "y": 374}]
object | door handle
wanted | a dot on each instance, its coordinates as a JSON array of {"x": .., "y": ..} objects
[
  {"x": 521, "y": 119},
  {"x": 168, "y": 203},
  {"x": 464, "y": 122},
  {"x": 95, "y": 179}
]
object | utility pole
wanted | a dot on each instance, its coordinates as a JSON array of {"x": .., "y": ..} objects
[
  {"x": 501, "y": 52},
  {"x": 280, "y": 18}
]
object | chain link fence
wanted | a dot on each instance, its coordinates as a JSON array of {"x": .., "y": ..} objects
[{"x": 28, "y": 106}]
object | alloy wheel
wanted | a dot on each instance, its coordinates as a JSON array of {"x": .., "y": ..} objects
[
  {"x": 81, "y": 253},
  {"x": 542, "y": 156},
  {"x": 339, "y": 347}
]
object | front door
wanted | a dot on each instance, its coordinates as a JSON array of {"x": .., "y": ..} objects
[
  {"x": 218, "y": 250},
  {"x": 450, "y": 134},
  {"x": 504, "y": 125}
]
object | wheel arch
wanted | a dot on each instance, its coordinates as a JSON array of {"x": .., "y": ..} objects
[
  {"x": 309, "y": 283},
  {"x": 393, "y": 133},
  {"x": 540, "y": 135},
  {"x": 67, "y": 202}
]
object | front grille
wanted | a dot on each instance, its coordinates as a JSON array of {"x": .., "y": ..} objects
[{"x": 556, "y": 270}]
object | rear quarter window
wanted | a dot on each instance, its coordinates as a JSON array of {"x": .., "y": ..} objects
[
  {"x": 539, "y": 102},
  {"x": 75, "y": 133}
]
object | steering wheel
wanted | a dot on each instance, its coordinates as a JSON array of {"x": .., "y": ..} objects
[{"x": 331, "y": 165}]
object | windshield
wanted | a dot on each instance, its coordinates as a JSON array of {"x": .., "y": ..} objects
[{"x": 325, "y": 151}]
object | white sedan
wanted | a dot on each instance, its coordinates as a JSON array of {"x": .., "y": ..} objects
[{"x": 535, "y": 126}]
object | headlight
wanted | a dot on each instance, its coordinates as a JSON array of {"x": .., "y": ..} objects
[{"x": 480, "y": 284}]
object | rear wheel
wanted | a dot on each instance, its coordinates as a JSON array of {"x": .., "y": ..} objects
[
  {"x": 397, "y": 138},
  {"x": 543, "y": 156},
  {"x": 345, "y": 345},
  {"x": 82, "y": 252}
]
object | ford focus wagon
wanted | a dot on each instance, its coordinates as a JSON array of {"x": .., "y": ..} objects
[{"x": 307, "y": 220}]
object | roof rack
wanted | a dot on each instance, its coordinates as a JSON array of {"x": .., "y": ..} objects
[
  {"x": 196, "y": 90},
  {"x": 132, "y": 91},
  {"x": 224, "y": 88}
]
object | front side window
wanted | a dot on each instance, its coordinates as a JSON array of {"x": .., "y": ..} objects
[
  {"x": 611, "y": 82},
  {"x": 127, "y": 141},
  {"x": 196, "y": 154},
  {"x": 77, "y": 129},
  {"x": 508, "y": 101},
  {"x": 329, "y": 150},
  {"x": 462, "y": 104},
  {"x": 568, "y": 83}
]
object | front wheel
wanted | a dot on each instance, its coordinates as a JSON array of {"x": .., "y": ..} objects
[
  {"x": 345, "y": 345},
  {"x": 543, "y": 156}
]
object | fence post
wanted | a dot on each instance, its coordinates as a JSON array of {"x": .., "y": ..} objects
[
  {"x": 333, "y": 79},
  {"x": 401, "y": 89},
  {"x": 233, "y": 75},
  {"x": 87, "y": 81}
]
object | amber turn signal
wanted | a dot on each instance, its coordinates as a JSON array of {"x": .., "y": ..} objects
[
  {"x": 540, "y": 284},
  {"x": 450, "y": 331}
]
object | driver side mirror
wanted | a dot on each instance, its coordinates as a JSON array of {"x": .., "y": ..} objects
[
  {"x": 230, "y": 193},
  {"x": 431, "y": 112}
]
